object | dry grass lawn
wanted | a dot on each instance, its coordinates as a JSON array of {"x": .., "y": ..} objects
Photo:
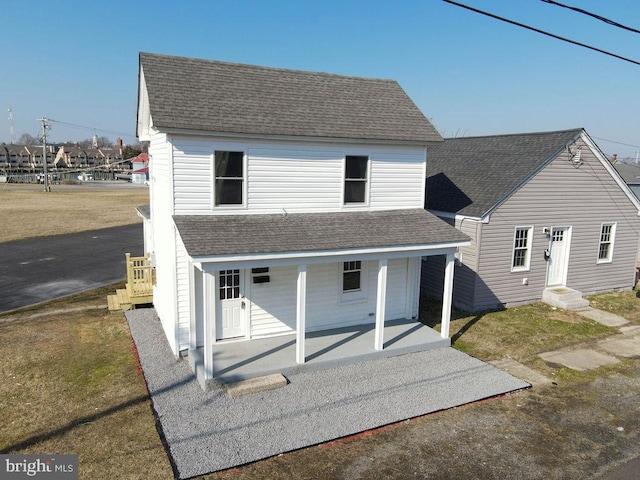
[
  {"x": 27, "y": 211},
  {"x": 71, "y": 385}
]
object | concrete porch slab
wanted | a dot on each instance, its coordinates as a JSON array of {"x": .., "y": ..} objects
[
  {"x": 579, "y": 359},
  {"x": 626, "y": 346},
  {"x": 210, "y": 431},
  {"x": 241, "y": 360},
  {"x": 605, "y": 318}
]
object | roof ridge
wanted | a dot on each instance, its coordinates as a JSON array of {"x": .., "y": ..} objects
[
  {"x": 577, "y": 129},
  {"x": 264, "y": 67}
]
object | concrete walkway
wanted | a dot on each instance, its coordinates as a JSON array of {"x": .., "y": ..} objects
[
  {"x": 211, "y": 431},
  {"x": 626, "y": 345}
]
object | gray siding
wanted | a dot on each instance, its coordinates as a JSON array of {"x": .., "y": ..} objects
[
  {"x": 464, "y": 278},
  {"x": 560, "y": 195}
]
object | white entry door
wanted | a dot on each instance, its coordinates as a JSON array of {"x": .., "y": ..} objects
[
  {"x": 558, "y": 261},
  {"x": 233, "y": 305}
]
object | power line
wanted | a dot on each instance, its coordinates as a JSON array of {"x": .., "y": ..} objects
[
  {"x": 619, "y": 143},
  {"x": 594, "y": 15},
  {"x": 92, "y": 129},
  {"x": 502, "y": 19}
]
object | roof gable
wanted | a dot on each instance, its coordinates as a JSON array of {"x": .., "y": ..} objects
[
  {"x": 205, "y": 95},
  {"x": 472, "y": 175}
]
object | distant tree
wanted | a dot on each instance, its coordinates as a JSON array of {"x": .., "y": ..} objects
[
  {"x": 130, "y": 151},
  {"x": 27, "y": 139}
]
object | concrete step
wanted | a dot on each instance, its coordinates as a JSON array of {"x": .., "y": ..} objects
[{"x": 563, "y": 297}]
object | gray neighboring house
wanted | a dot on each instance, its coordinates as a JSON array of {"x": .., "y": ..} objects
[
  {"x": 543, "y": 210},
  {"x": 630, "y": 173}
]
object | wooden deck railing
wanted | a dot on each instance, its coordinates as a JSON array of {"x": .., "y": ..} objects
[{"x": 140, "y": 276}]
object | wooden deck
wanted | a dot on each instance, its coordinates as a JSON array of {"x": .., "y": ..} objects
[{"x": 139, "y": 288}]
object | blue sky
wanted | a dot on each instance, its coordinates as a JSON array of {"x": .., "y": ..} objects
[{"x": 76, "y": 61}]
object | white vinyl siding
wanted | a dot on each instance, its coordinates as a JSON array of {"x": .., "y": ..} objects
[
  {"x": 521, "y": 249},
  {"x": 607, "y": 238},
  {"x": 296, "y": 177},
  {"x": 182, "y": 288},
  {"x": 273, "y": 304},
  {"x": 164, "y": 253}
]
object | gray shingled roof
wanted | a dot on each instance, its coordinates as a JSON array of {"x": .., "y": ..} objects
[
  {"x": 193, "y": 94},
  {"x": 630, "y": 173},
  {"x": 470, "y": 175},
  {"x": 206, "y": 235}
]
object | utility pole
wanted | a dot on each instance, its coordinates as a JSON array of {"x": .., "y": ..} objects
[{"x": 47, "y": 188}]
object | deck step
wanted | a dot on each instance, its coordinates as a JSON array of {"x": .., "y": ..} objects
[
  {"x": 112, "y": 301},
  {"x": 123, "y": 299}
]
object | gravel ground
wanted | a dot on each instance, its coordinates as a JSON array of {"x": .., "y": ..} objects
[{"x": 210, "y": 431}]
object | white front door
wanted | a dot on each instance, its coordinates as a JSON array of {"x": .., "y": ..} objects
[
  {"x": 558, "y": 261},
  {"x": 233, "y": 306}
]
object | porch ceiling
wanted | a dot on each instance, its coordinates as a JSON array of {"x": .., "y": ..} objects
[{"x": 206, "y": 235}]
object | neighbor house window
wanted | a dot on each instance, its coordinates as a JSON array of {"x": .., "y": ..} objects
[
  {"x": 605, "y": 248},
  {"x": 229, "y": 178},
  {"x": 355, "y": 179},
  {"x": 521, "y": 249}
]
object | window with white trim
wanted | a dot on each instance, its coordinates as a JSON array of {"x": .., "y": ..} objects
[
  {"x": 353, "y": 281},
  {"x": 521, "y": 249},
  {"x": 229, "y": 178},
  {"x": 605, "y": 246},
  {"x": 356, "y": 175}
]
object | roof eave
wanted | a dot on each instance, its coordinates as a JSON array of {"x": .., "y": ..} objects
[
  {"x": 299, "y": 138},
  {"x": 324, "y": 256}
]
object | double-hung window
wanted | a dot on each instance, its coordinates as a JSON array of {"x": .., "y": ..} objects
[
  {"x": 351, "y": 273},
  {"x": 229, "y": 178},
  {"x": 605, "y": 247},
  {"x": 353, "y": 281},
  {"x": 355, "y": 179},
  {"x": 521, "y": 249}
]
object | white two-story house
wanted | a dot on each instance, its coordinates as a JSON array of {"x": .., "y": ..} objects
[{"x": 283, "y": 202}]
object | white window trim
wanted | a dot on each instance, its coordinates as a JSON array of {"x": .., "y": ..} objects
[
  {"x": 527, "y": 266},
  {"x": 612, "y": 242},
  {"x": 354, "y": 296},
  {"x": 245, "y": 180},
  {"x": 367, "y": 181}
]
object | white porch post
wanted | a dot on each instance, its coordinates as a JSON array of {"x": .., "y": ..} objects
[
  {"x": 301, "y": 313},
  {"x": 447, "y": 295},
  {"x": 381, "y": 303},
  {"x": 193, "y": 298},
  {"x": 210, "y": 307}
]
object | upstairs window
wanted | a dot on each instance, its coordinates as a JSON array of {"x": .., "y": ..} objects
[
  {"x": 229, "y": 178},
  {"x": 605, "y": 247},
  {"x": 355, "y": 179},
  {"x": 521, "y": 249}
]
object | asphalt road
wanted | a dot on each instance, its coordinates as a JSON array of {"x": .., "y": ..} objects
[{"x": 39, "y": 269}]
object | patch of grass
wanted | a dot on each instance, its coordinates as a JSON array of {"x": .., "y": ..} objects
[
  {"x": 519, "y": 333},
  {"x": 66, "y": 210},
  {"x": 71, "y": 385},
  {"x": 626, "y": 304}
]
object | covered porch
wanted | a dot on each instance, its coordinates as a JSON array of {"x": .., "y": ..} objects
[
  {"x": 240, "y": 360},
  {"x": 305, "y": 290}
]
